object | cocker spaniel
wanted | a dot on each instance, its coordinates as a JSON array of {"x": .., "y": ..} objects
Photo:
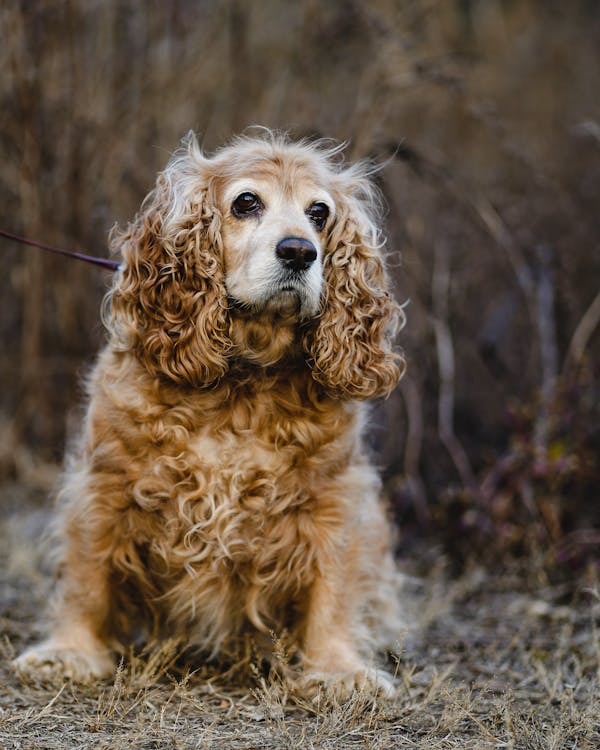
[{"x": 220, "y": 483}]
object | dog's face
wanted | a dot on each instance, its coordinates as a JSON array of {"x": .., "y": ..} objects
[
  {"x": 274, "y": 227},
  {"x": 266, "y": 252}
]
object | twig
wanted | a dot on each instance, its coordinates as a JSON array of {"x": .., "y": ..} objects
[
  {"x": 503, "y": 238},
  {"x": 413, "y": 447},
  {"x": 44, "y": 711},
  {"x": 548, "y": 348},
  {"x": 445, "y": 355},
  {"x": 585, "y": 328}
]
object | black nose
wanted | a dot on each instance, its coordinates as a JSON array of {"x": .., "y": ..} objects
[{"x": 296, "y": 253}]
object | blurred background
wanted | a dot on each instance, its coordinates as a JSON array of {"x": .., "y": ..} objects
[{"x": 485, "y": 117}]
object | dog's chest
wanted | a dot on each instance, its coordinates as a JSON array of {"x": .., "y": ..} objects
[
  {"x": 243, "y": 507},
  {"x": 252, "y": 504},
  {"x": 253, "y": 482},
  {"x": 231, "y": 464}
]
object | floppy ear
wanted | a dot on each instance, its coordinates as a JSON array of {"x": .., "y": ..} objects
[
  {"x": 350, "y": 347},
  {"x": 169, "y": 304}
]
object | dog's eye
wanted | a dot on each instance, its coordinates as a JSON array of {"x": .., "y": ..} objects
[
  {"x": 246, "y": 204},
  {"x": 318, "y": 213}
]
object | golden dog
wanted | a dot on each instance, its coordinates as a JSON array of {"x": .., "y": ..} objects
[{"x": 220, "y": 482}]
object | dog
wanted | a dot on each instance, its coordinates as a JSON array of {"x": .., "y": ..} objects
[{"x": 220, "y": 484}]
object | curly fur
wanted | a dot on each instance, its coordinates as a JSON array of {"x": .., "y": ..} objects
[{"x": 220, "y": 483}]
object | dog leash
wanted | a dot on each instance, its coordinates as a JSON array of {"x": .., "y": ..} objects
[{"x": 112, "y": 265}]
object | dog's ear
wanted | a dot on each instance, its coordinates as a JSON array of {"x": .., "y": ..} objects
[
  {"x": 168, "y": 304},
  {"x": 350, "y": 345}
]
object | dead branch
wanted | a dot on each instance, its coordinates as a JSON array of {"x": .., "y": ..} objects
[
  {"x": 445, "y": 353},
  {"x": 548, "y": 347},
  {"x": 413, "y": 447},
  {"x": 585, "y": 328}
]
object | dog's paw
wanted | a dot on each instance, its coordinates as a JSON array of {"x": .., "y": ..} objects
[
  {"x": 342, "y": 686},
  {"x": 51, "y": 661}
]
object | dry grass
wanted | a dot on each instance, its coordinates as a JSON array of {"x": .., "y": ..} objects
[{"x": 484, "y": 664}]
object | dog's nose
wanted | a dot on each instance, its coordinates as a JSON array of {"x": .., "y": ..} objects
[{"x": 296, "y": 253}]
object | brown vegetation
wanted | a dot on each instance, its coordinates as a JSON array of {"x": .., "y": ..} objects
[
  {"x": 485, "y": 117},
  {"x": 487, "y": 114}
]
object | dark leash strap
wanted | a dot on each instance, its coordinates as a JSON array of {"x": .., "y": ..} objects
[{"x": 111, "y": 265}]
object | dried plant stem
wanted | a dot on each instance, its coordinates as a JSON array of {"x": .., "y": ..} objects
[
  {"x": 30, "y": 203},
  {"x": 548, "y": 347},
  {"x": 414, "y": 446},
  {"x": 445, "y": 354},
  {"x": 585, "y": 328},
  {"x": 539, "y": 293}
]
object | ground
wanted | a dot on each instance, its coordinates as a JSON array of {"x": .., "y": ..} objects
[{"x": 490, "y": 660}]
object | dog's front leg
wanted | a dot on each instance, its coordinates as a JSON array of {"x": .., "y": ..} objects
[
  {"x": 332, "y": 658},
  {"x": 77, "y": 645}
]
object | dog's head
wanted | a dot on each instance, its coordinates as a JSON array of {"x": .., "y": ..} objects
[{"x": 266, "y": 250}]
